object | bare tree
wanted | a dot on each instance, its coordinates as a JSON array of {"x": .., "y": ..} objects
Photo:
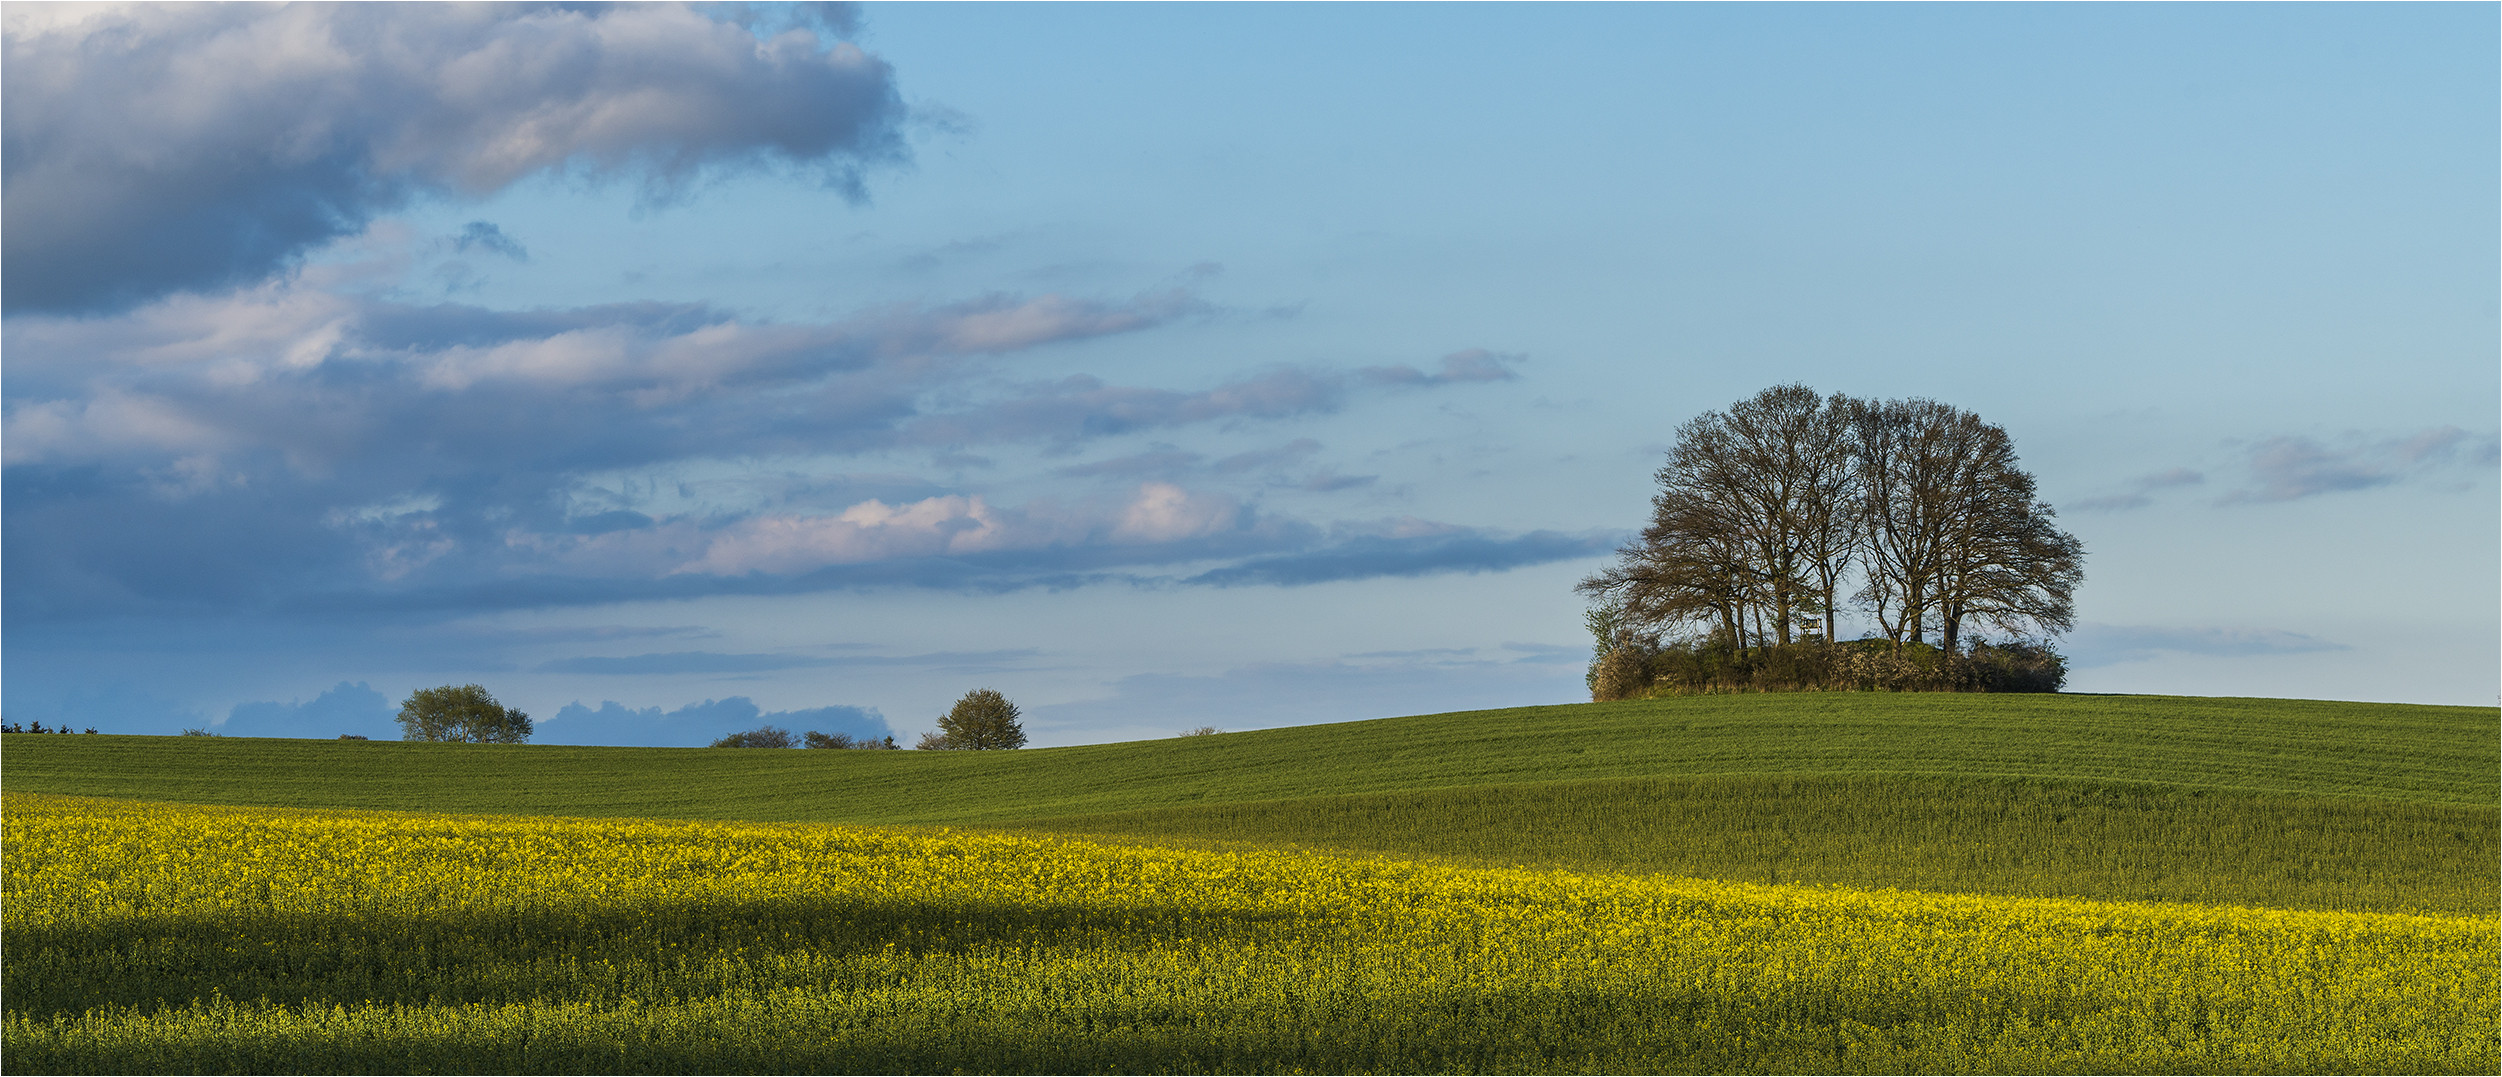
[
  {"x": 1687, "y": 568},
  {"x": 1952, "y": 528},
  {"x": 2007, "y": 566},
  {"x": 1753, "y": 526},
  {"x": 1907, "y": 458},
  {"x": 1789, "y": 451},
  {"x": 1766, "y": 513}
]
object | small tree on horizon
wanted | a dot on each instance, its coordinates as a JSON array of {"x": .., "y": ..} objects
[
  {"x": 463, "y": 713},
  {"x": 760, "y": 737},
  {"x": 983, "y": 720}
]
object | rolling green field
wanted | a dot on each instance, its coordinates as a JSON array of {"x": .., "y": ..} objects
[
  {"x": 2285, "y": 803},
  {"x": 2433, "y": 755},
  {"x": 1358, "y": 897}
]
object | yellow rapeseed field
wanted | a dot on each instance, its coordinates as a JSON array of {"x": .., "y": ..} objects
[{"x": 155, "y": 937}]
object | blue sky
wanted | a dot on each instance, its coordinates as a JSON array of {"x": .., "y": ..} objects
[{"x": 675, "y": 370}]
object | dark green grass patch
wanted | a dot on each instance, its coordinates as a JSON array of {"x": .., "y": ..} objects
[
  {"x": 1979, "y": 836},
  {"x": 2435, "y": 755}
]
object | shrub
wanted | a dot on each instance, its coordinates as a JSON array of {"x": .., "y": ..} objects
[
  {"x": 1636, "y": 670},
  {"x": 814, "y": 739},
  {"x": 1625, "y": 672},
  {"x": 1202, "y": 731},
  {"x": 759, "y": 737}
]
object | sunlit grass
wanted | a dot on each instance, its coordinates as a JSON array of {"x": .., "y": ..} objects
[
  {"x": 165, "y": 938},
  {"x": 2041, "y": 839}
]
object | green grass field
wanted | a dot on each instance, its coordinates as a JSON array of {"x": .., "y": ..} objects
[
  {"x": 2283, "y": 803},
  {"x": 1913, "y": 883},
  {"x": 145, "y": 937}
]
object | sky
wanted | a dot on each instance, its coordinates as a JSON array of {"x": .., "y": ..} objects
[{"x": 673, "y": 370}]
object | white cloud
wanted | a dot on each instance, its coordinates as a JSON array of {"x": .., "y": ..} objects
[
  {"x": 869, "y": 531},
  {"x": 1163, "y": 512}
]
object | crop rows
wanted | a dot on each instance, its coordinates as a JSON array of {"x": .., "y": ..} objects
[
  {"x": 2109, "y": 842},
  {"x": 154, "y": 938}
]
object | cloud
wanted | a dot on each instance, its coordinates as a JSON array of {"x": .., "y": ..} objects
[
  {"x": 332, "y": 450},
  {"x": 485, "y": 236},
  {"x": 2289, "y": 468},
  {"x": 2138, "y": 490},
  {"x": 698, "y": 662},
  {"x": 1082, "y": 406},
  {"x": 697, "y": 724},
  {"x": 1163, "y": 512},
  {"x": 1161, "y": 461},
  {"x": 1473, "y": 364},
  {"x": 1292, "y": 452},
  {"x": 869, "y": 531},
  {"x": 1436, "y": 551},
  {"x": 345, "y": 709},
  {"x": 151, "y": 149},
  {"x": 1167, "y": 462},
  {"x": 678, "y": 662},
  {"x": 2102, "y": 644}
]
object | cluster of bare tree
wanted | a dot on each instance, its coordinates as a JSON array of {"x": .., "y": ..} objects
[{"x": 1773, "y": 514}]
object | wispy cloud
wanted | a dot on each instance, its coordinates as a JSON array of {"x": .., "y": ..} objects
[
  {"x": 2292, "y": 467},
  {"x": 699, "y": 662},
  {"x": 2137, "y": 493},
  {"x": 1436, "y": 549}
]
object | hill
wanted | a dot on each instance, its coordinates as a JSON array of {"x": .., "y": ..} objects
[{"x": 2276, "y": 802}]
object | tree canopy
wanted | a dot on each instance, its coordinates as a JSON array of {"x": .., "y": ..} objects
[
  {"x": 464, "y": 713},
  {"x": 1769, "y": 513},
  {"x": 981, "y": 721}
]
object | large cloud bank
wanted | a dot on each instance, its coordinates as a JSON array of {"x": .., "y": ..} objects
[
  {"x": 199, "y": 417},
  {"x": 152, "y": 149}
]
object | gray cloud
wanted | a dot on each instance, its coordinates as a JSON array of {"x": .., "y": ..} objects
[
  {"x": 300, "y": 123},
  {"x": 485, "y": 236},
  {"x": 684, "y": 662},
  {"x": 346, "y": 709},
  {"x": 1082, "y": 407},
  {"x": 319, "y": 450},
  {"x": 1473, "y": 364},
  {"x": 2138, "y": 491},
  {"x": 2288, "y": 468},
  {"x": 369, "y": 441},
  {"x": 679, "y": 662},
  {"x": 1159, "y": 461},
  {"x": 1444, "y": 550},
  {"x": 1164, "y": 461},
  {"x": 1292, "y": 452}
]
